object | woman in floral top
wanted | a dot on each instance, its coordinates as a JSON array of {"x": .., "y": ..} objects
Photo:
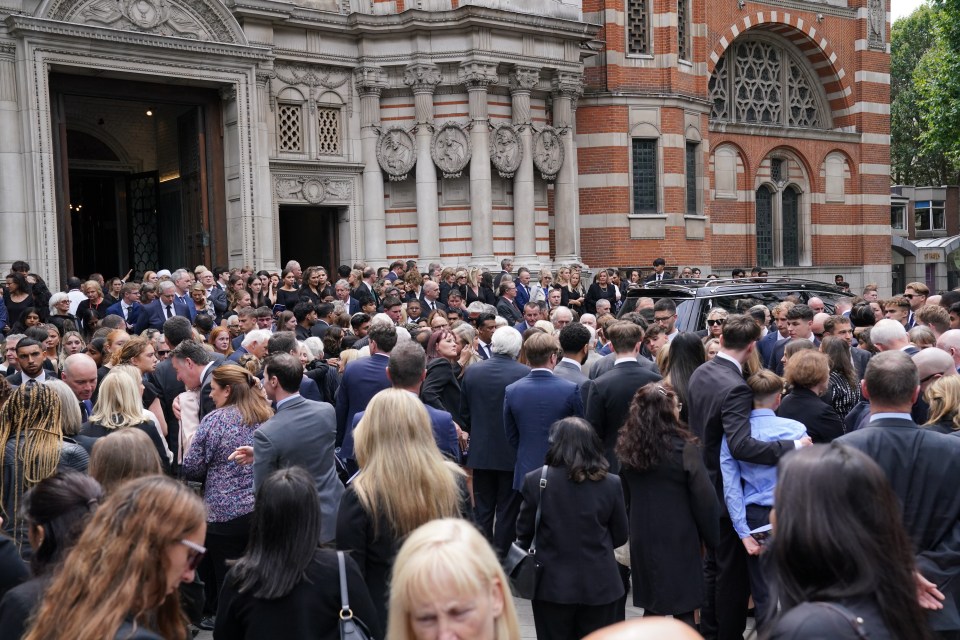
[{"x": 228, "y": 486}]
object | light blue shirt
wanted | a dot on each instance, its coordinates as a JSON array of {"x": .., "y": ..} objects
[{"x": 750, "y": 483}]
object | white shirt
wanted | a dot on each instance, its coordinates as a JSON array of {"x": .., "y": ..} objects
[
  {"x": 624, "y": 359},
  {"x": 76, "y": 297},
  {"x": 574, "y": 362},
  {"x": 721, "y": 354}
]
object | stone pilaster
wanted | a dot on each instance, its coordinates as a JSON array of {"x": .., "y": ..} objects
[
  {"x": 266, "y": 224},
  {"x": 370, "y": 82},
  {"x": 423, "y": 78},
  {"x": 13, "y": 219},
  {"x": 477, "y": 76},
  {"x": 567, "y": 87},
  {"x": 522, "y": 82}
]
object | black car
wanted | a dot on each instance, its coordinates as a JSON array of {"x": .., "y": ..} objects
[{"x": 696, "y": 298}]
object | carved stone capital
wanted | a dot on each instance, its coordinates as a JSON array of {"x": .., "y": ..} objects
[
  {"x": 369, "y": 80},
  {"x": 264, "y": 76},
  {"x": 478, "y": 74},
  {"x": 524, "y": 78},
  {"x": 422, "y": 77},
  {"x": 567, "y": 85}
]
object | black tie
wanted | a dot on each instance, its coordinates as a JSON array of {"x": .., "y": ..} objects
[
  {"x": 169, "y": 313},
  {"x": 83, "y": 411}
]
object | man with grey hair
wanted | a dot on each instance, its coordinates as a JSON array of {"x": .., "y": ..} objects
[
  {"x": 342, "y": 293},
  {"x": 492, "y": 458},
  {"x": 561, "y": 317},
  {"x": 890, "y": 335},
  {"x": 254, "y": 343},
  {"x": 154, "y": 314},
  {"x": 181, "y": 280},
  {"x": 406, "y": 370},
  {"x": 430, "y": 298},
  {"x": 922, "y": 467},
  {"x": 603, "y": 307}
]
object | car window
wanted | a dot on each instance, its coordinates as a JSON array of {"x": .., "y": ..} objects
[{"x": 741, "y": 302}]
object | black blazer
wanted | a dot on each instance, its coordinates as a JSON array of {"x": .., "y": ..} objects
[
  {"x": 441, "y": 389},
  {"x": 608, "y": 404},
  {"x": 595, "y": 293},
  {"x": 922, "y": 467},
  {"x": 481, "y": 393},
  {"x": 721, "y": 407},
  {"x": 90, "y": 432},
  {"x": 776, "y": 357},
  {"x": 163, "y": 382},
  {"x": 822, "y": 421},
  {"x": 581, "y": 523},
  {"x": 861, "y": 358}
]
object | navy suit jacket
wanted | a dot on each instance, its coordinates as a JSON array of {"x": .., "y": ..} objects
[
  {"x": 362, "y": 379},
  {"x": 482, "y": 389},
  {"x": 530, "y": 406},
  {"x": 775, "y": 363},
  {"x": 766, "y": 344},
  {"x": 444, "y": 431},
  {"x": 135, "y": 310},
  {"x": 523, "y": 294},
  {"x": 152, "y": 316}
]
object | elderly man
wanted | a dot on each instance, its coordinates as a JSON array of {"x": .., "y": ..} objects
[
  {"x": 890, "y": 335},
  {"x": 933, "y": 364},
  {"x": 816, "y": 304},
  {"x": 80, "y": 374},
  {"x": 562, "y": 316},
  {"x": 341, "y": 291},
  {"x": 216, "y": 295},
  {"x": 430, "y": 298},
  {"x": 603, "y": 307},
  {"x": 950, "y": 343}
]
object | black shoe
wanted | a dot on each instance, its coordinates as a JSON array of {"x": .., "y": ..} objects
[{"x": 208, "y": 623}]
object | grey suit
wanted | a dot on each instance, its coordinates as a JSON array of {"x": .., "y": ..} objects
[
  {"x": 606, "y": 364},
  {"x": 302, "y": 434},
  {"x": 573, "y": 373},
  {"x": 218, "y": 298}
]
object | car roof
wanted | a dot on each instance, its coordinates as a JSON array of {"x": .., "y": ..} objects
[{"x": 689, "y": 288}]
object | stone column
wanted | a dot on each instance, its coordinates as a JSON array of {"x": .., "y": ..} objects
[
  {"x": 522, "y": 81},
  {"x": 370, "y": 82},
  {"x": 567, "y": 87},
  {"x": 266, "y": 222},
  {"x": 13, "y": 220},
  {"x": 477, "y": 76},
  {"x": 423, "y": 79}
]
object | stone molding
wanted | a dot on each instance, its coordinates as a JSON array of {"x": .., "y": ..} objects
[{"x": 451, "y": 149}]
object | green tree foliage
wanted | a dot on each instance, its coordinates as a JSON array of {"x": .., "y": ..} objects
[
  {"x": 936, "y": 80},
  {"x": 912, "y": 38}
]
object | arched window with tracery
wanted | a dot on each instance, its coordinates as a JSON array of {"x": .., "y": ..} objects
[{"x": 763, "y": 80}]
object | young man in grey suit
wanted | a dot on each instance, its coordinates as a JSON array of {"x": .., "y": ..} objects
[{"x": 300, "y": 434}]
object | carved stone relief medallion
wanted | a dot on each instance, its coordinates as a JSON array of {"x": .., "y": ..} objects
[
  {"x": 506, "y": 150},
  {"x": 312, "y": 189},
  {"x": 548, "y": 152},
  {"x": 451, "y": 149},
  {"x": 395, "y": 153}
]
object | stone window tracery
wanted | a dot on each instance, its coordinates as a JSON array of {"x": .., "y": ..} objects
[
  {"x": 290, "y": 127},
  {"x": 638, "y": 28},
  {"x": 328, "y": 131},
  {"x": 683, "y": 29},
  {"x": 760, "y": 82}
]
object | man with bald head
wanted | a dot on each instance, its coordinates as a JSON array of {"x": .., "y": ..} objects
[
  {"x": 80, "y": 374},
  {"x": 949, "y": 341},
  {"x": 933, "y": 364},
  {"x": 816, "y": 304},
  {"x": 817, "y": 327}
]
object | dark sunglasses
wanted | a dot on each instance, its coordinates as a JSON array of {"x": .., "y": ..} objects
[
  {"x": 163, "y": 353},
  {"x": 196, "y": 554},
  {"x": 714, "y": 323}
]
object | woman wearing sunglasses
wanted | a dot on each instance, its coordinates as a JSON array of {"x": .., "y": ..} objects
[
  {"x": 715, "y": 320},
  {"x": 121, "y": 579}
]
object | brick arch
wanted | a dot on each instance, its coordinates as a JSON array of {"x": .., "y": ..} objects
[{"x": 816, "y": 48}]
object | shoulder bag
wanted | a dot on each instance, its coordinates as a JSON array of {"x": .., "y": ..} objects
[
  {"x": 351, "y": 628},
  {"x": 522, "y": 565}
]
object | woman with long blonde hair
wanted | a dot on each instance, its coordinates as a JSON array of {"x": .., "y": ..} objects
[
  {"x": 32, "y": 448},
  {"x": 943, "y": 396},
  {"x": 121, "y": 578},
  {"x": 447, "y": 569},
  {"x": 228, "y": 487},
  {"x": 140, "y": 352},
  {"x": 404, "y": 481},
  {"x": 119, "y": 406}
]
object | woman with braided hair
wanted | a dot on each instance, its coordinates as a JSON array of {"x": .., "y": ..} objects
[
  {"x": 228, "y": 487},
  {"x": 32, "y": 448},
  {"x": 120, "y": 580}
]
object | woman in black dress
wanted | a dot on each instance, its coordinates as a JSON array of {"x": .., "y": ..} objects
[
  {"x": 441, "y": 387},
  {"x": 601, "y": 288},
  {"x": 843, "y": 565},
  {"x": 94, "y": 303},
  {"x": 572, "y": 293},
  {"x": 673, "y": 506},
  {"x": 288, "y": 295},
  {"x": 285, "y": 586},
  {"x": 17, "y": 298}
]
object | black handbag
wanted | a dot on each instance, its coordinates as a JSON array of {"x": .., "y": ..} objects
[
  {"x": 351, "y": 628},
  {"x": 522, "y": 565}
]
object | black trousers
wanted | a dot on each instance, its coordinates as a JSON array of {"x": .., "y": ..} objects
[
  {"x": 727, "y": 587},
  {"x": 224, "y": 541},
  {"x": 496, "y": 508},
  {"x": 555, "y": 621},
  {"x": 758, "y": 516}
]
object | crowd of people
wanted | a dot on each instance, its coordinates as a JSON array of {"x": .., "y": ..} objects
[{"x": 263, "y": 454}]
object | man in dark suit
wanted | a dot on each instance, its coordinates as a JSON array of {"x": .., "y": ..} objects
[
  {"x": 406, "y": 370},
  {"x": 840, "y": 327},
  {"x": 302, "y": 434},
  {"x": 922, "y": 467},
  {"x": 767, "y": 343},
  {"x": 606, "y": 363},
  {"x": 306, "y": 316},
  {"x": 486, "y": 326},
  {"x": 80, "y": 374},
  {"x": 286, "y": 342},
  {"x": 535, "y": 402},
  {"x": 721, "y": 409},
  {"x": 608, "y": 402},
  {"x": 247, "y": 319},
  {"x": 194, "y": 366},
  {"x": 324, "y": 318},
  {"x": 799, "y": 327},
  {"x": 163, "y": 379},
  {"x": 342, "y": 292},
  {"x": 890, "y": 335},
  {"x": 366, "y": 286},
  {"x": 255, "y": 342},
  {"x": 505, "y": 266},
  {"x": 166, "y": 306},
  {"x": 523, "y": 286},
  {"x": 216, "y": 295},
  {"x": 430, "y": 298},
  {"x": 362, "y": 379},
  {"x": 506, "y": 305},
  {"x": 492, "y": 459},
  {"x": 128, "y": 306},
  {"x": 30, "y": 356},
  {"x": 658, "y": 272},
  {"x": 531, "y": 313}
]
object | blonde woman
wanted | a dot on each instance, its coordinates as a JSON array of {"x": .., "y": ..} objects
[
  {"x": 120, "y": 406},
  {"x": 563, "y": 276},
  {"x": 943, "y": 396},
  {"x": 404, "y": 481},
  {"x": 447, "y": 576}
]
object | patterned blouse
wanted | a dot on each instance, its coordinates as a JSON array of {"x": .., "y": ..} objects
[
  {"x": 840, "y": 395},
  {"x": 228, "y": 488}
]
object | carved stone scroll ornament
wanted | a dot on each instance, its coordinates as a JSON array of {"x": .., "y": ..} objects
[
  {"x": 395, "y": 153},
  {"x": 311, "y": 189},
  {"x": 506, "y": 150},
  {"x": 548, "y": 152},
  {"x": 451, "y": 149}
]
